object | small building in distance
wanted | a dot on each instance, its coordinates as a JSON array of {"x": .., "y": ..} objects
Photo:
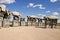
[
  {"x": 34, "y": 21},
  {"x": 51, "y": 21}
]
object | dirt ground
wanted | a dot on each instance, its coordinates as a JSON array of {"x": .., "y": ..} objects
[{"x": 29, "y": 33}]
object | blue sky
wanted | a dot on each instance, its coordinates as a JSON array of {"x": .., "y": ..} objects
[{"x": 33, "y": 7}]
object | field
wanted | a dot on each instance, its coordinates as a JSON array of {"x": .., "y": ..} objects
[{"x": 29, "y": 33}]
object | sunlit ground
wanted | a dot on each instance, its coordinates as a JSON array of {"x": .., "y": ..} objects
[{"x": 29, "y": 33}]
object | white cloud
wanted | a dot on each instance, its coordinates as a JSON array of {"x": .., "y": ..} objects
[
  {"x": 53, "y": 1},
  {"x": 41, "y": 15},
  {"x": 7, "y": 1},
  {"x": 31, "y": 4},
  {"x": 55, "y": 13},
  {"x": 37, "y": 5},
  {"x": 40, "y": 6},
  {"x": 48, "y": 11}
]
